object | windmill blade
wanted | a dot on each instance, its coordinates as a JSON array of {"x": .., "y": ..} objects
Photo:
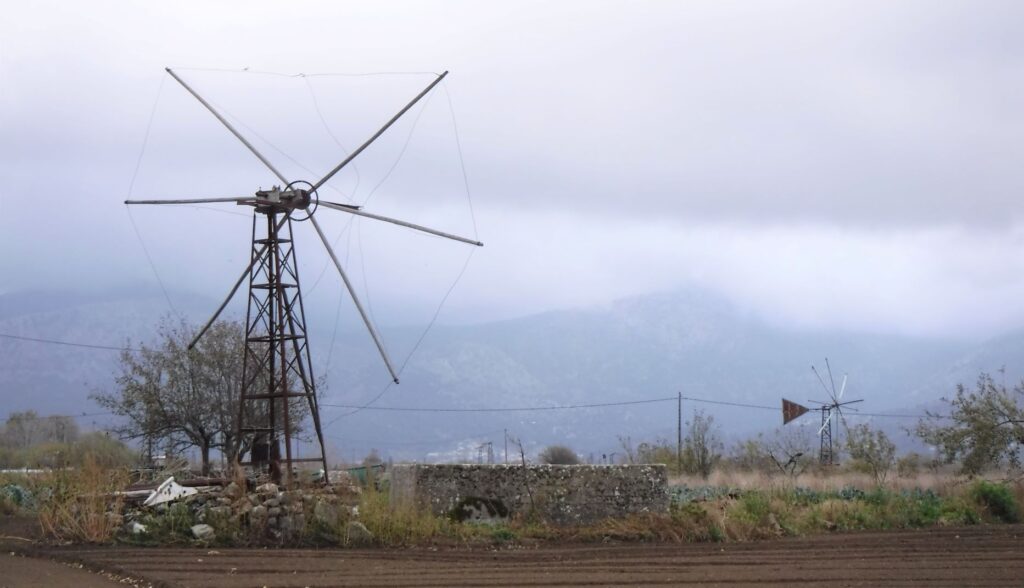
[
  {"x": 828, "y": 366},
  {"x": 355, "y": 299},
  {"x": 401, "y": 223},
  {"x": 822, "y": 380},
  {"x": 842, "y": 388},
  {"x": 380, "y": 132},
  {"x": 234, "y": 289},
  {"x": 220, "y": 308},
  {"x": 234, "y": 131},
  {"x": 237, "y": 200}
]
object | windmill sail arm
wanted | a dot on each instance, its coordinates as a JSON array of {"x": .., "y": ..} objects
[
  {"x": 828, "y": 420},
  {"x": 229, "y": 127},
  {"x": 236, "y": 199},
  {"x": 401, "y": 223},
  {"x": 380, "y": 132},
  {"x": 355, "y": 300},
  {"x": 231, "y": 294},
  {"x": 220, "y": 308}
]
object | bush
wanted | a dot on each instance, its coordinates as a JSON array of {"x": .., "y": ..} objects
[
  {"x": 559, "y": 455},
  {"x": 909, "y": 466},
  {"x": 998, "y": 499}
]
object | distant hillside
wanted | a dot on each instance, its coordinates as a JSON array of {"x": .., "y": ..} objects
[{"x": 640, "y": 348}]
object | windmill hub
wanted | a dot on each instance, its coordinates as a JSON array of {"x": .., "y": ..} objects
[{"x": 296, "y": 196}]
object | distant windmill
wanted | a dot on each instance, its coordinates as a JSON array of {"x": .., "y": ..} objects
[
  {"x": 277, "y": 371},
  {"x": 833, "y": 407}
]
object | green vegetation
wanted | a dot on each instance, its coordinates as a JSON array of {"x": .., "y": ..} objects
[
  {"x": 872, "y": 451},
  {"x": 998, "y": 499},
  {"x": 32, "y": 441},
  {"x": 78, "y": 505},
  {"x": 983, "y": 429}
]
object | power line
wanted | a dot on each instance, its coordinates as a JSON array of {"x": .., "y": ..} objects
[
  {"x": 68, "y": 343},
  {"x": 499, "y": 409},
  {"x": 63, "y": 416},
  {"x": 598, "y": 405}
]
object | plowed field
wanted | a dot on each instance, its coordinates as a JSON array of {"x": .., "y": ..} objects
[{"x": 972, "y": 556}]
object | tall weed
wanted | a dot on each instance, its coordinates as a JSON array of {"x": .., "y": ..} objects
[{"x": 81, "y": 505}]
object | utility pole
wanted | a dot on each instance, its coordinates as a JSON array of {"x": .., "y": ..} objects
[
  {"x": 506, "y": 446},
  {"x": 679, "y": 434}
]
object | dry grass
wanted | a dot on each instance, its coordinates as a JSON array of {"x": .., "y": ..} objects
[
  {"x": 81, "y": 505},
  {"x": 941, "y": 482},
  {"x": 402, "y": 525}
]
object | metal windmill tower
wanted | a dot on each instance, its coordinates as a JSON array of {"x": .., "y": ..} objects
[
  {"x": 277, "y": 375},
  {"x": 833, "y": 407}
]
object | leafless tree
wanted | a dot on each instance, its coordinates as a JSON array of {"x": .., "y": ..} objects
[{"x": 180, "y": 398}]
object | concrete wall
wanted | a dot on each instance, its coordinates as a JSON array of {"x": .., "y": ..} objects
[{"x": 568, "y": 494}]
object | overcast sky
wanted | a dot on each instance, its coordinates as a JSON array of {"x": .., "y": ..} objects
[{"x": 852, "y": 165}]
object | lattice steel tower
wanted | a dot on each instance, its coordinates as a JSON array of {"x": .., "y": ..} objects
[{"x": 278, "y": 388}]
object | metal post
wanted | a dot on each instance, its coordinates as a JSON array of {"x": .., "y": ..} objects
[
  {"x": 679, "y": 434},
  {"x": 506, "y": 446}
]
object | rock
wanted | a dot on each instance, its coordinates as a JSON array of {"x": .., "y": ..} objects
[
  {"x": 268, "y": 489},
  {"x": 358, "y": 534},
  {"x": 203, "y": 532},
  {"x": 326, "y": 514},
  {"x": 272, "y": 522},
  {"x": 136, "y": 528},
  {"x": 258, "y": 514},
  {"x": 273, "y": 502},
  {"x": 232, "y": 491},
  {"x": 273, "y": 511},
  {"x": 220, "y": 511}
]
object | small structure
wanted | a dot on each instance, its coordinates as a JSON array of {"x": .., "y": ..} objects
[
  {"x": 561, "y": 494},
  {"x": 829, "y": 428}
]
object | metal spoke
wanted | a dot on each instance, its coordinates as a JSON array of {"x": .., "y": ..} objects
[
  {"x": 380, "y": 132},
  {"x": 355, "y": 299},
  {"x": 231, "y": 294},
  {"x": 239, "y": 199},
  {"x": 401, "y": 223},
  {"x": 234, "y": 131}
]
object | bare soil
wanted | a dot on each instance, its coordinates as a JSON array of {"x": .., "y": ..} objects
[
  {"x": 17, "y": 571},
  {"x": 965, "y": 556}
]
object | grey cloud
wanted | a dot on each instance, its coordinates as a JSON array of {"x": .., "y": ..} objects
[{"x": 612, "y": 148}]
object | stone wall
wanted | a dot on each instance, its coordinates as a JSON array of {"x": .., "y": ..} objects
[{"x": 562, "y": 494}]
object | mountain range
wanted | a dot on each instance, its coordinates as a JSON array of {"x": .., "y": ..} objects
[{"x": 647, "y": 348}]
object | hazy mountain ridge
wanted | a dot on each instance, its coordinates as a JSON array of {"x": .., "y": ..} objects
[{"x": 639, "y": 348}]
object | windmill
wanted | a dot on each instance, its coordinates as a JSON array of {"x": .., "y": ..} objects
[
  {"x": 277, "y": 374},
  {"x": 829, "y": 427}
]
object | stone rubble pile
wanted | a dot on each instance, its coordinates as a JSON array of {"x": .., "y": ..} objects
[{"x": 267, "y": 511}]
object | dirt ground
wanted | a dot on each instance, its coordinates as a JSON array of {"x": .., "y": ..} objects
[
  {"x": 966, "y": 556},
  {"x": 17, "y": 571}
]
